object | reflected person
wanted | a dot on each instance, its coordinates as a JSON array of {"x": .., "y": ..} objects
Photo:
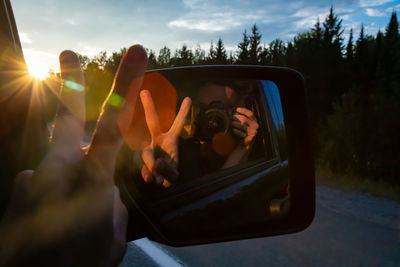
[{"x": 219, "y": 134}]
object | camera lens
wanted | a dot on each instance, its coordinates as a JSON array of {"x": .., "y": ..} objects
[{"x": 214, "y": 119}]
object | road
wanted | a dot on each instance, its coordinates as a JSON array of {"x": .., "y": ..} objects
[{"x": 349, "y": 229}]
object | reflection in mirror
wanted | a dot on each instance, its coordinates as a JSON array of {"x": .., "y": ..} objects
[
  {"x": 221, "y": 130},
  {"x": 231, "y": 126}
]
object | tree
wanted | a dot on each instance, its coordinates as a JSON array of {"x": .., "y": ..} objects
[
  {"x": 212, "y": 54},
  {"x": 231, "y": 59},
  {"x": 185, "y": 56},
  {"x": 113, "y": 61},
  {"x": 277, "y": 50},
  {"x": 101, "y": 59},
  {"x": 264, "y": 56},
  {"x": 220, "y": 53},
  {"x": 378, "y": 57},
  {"x": 164, "y": 57},
  {"x": 317, "y": 31},
  {"x": 243, "y": 52},
  {"x": 361, "y": 49},
  {"x": 392, "y": 47},
  {"x": 290, "y": 55},
  {"x": 349, "y": 47},
  {"x": 199, "y": 56},
  {"x": 392, "y": 30},
  {"x": 152, "y": 60},
  {"x": 332, "y": 28},
  {"x": 254, "y": 45}
]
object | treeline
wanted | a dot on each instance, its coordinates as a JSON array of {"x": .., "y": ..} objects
[{"x": 353, "y": 88}]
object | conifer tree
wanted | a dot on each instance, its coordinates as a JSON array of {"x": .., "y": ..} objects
[
  {"x": 212, "y": 54},
  {"x": 254, "y": 45},
  {"x": 317, "y": 30},
  {"x": 392, "y": 47},
  {"x": 332, "y": 28},
  {"x": 349, "y": 47},
  {"x": 243, "y": 52},
  {"x": 220, "y": 53}
]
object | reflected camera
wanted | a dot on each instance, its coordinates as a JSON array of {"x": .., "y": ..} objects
[{"x": 215, "y": 118}]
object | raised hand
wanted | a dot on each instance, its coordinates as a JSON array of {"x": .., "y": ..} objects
[
  {"x": 160, "y": 157},
  {"x": 68, "y": 211},
  {"x": 245, "y": 126}
]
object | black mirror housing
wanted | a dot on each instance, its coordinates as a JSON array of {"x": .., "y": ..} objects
[{"x": 216, "y": 208}]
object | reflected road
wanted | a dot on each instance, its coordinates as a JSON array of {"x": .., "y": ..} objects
[{"x": 349, "y": 229}]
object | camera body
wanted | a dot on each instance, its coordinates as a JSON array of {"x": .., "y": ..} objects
[{"x": 215, "y": 118}]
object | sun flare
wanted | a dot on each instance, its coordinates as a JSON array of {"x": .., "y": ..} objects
[{"x": 37, "y": 69}]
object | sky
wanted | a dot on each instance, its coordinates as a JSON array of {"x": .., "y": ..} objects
[{"x": 47, "y": 27}]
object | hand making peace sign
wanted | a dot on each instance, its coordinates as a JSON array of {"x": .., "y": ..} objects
[
  {"x": 68, "y": 211},
  {"x": 161, "y": 155}
]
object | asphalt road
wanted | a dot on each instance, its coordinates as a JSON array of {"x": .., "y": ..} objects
[{"x": 349, "y": 229}]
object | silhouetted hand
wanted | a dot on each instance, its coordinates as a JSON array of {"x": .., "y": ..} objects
[
  {"x": 68, "y": 211},
  {"x": 245, "y": 126},
  {"x": 161, "y": 155}
]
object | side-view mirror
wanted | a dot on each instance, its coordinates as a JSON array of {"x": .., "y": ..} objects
[{"x": 245, "y": 167}]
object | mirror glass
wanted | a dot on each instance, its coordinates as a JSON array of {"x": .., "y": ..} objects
[{"x": 230, "y": 145}]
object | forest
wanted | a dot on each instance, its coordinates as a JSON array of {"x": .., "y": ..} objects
[{"x": 353, "y": 88}]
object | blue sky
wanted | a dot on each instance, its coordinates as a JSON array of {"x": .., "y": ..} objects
[{"x": 47, "y": 27}]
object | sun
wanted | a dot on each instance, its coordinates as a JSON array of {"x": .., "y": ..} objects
[{"x": 37, "y": 69}]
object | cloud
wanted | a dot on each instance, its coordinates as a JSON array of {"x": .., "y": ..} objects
[
  {"x": 91, "y": 51},
  {"x": 39, "y": 53},
  {"x": 368, "y": 3},
  {"x": 23, "y": 36},
  {"x": 211, "y": 16},
  {"x": 71, "y": 22},
  {"x": 306, "y": 17},
  {"x": 396, "y": 7},
  {"x": 371, "y": 29},
  {"x": 374, "y": 12},
  {"x": 213, "y": 23}
]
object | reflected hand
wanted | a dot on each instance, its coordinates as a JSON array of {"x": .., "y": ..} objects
[
  {"x": 245, "y": 126},
  {"x": 68, "y": 211},
  {"x": 161, "y": 155}
]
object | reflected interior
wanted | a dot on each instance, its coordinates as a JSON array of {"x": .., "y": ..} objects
[{"x": 209, "y": 165}]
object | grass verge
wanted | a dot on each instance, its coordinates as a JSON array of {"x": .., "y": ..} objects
[{"x": 356, "y": 184}]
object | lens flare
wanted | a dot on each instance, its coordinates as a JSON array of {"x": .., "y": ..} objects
[
  {"x": 115, "y": 100},
  {"x": 37, "y": 69},
  {"x": 71, "y": 85}
]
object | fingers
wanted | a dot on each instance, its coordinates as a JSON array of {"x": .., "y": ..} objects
[
  {"x": 70, "y": 120},
  {"x": 238, "y": 125},
  {"x": 150, "y": 113},
  {"x": 245, "y": 126},
  {"x": 107, "y": 139},
  {"x": 148, "y": 158},
  {"x": 246, "y": 112},
  {"x": 167, "y": 169},
  {"x": 149, "y": 173},
  {"x": 160, "y": 171},
  {"x": 240, "y": 134},
  {"x": 245, "y": 121},
  {"x": 147, "y": 176},
  {"x": 179, "y": 121}
]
